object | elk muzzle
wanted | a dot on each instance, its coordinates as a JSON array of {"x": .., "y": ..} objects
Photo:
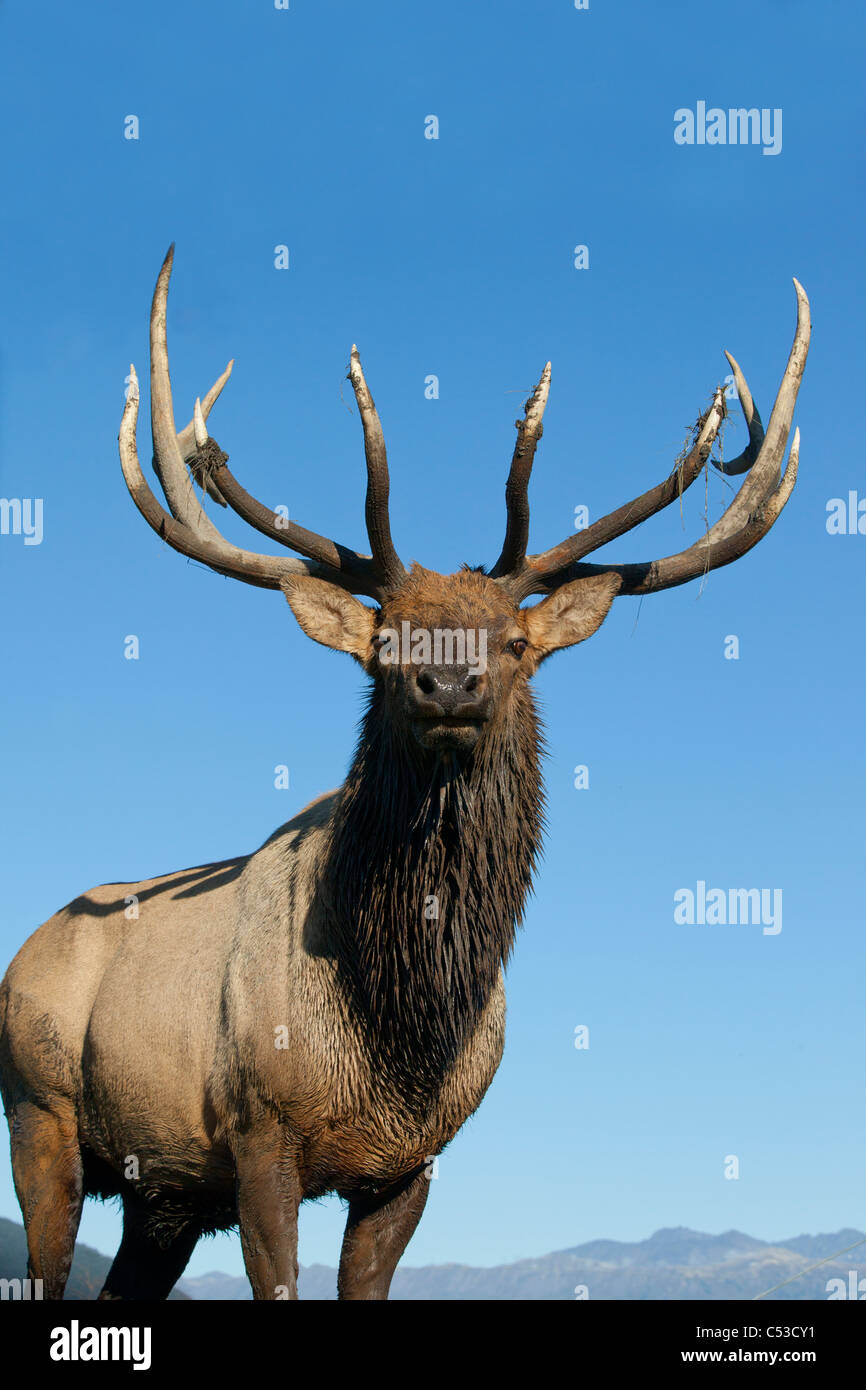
[{"x": 449, "y": 705}]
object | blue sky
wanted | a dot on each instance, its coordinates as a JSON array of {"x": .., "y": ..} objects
[{"x": 454, "y": 257}]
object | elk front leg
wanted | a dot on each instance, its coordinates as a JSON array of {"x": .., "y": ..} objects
[
  {"x": 268, "y": 1197},
  {"x": 378, "y": 1230}
]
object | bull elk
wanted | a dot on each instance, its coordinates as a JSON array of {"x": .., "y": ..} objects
[{"x": 324, "y": 1014}]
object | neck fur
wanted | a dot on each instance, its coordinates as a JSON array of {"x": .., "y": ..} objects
[{"x": 430, "y": 866}]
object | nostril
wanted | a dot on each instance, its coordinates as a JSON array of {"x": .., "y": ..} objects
[
  {"x": 472, "y": 683},
  {"x": 426, "y": 682}
]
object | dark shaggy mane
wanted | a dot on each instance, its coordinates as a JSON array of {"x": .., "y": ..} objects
[{"x": 432, "y": 859}]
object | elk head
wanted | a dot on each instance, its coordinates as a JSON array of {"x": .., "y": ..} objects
[{"x": 449, "y": 694}]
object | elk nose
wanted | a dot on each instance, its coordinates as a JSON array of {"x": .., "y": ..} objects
[{"x": 450, "y": 690}]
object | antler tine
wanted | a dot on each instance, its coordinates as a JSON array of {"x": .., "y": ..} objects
[
  {"x": 763, "y": 477},
  {"x": 529, "y": 431},
  {"x": 385, "y": 556},
  {"x": 187, "y": 440},
  {"x": 743, "y": 462},
  {"x": 168, "y": 460},
  {"x": 747, "y": 518},
  {"x": 187, "y": 437}
]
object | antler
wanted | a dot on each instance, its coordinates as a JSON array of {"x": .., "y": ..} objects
[
  {"x": 749, "y": 516},
  {"x": 529, "y": 431},
  {"x": 191, "y": 456}
]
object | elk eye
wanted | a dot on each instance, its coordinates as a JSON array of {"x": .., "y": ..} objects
[{"x": 518, "y": 646}]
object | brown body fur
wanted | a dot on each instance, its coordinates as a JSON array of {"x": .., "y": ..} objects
[{"x": 213, "y": 975}]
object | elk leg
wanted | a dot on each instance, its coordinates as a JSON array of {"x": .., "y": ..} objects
[
  {"x": 378, "y": 1230},
  {"x": 268, "y": 1197},
  {"x": 47, "y": 1171},
  {"x": 150, "y": 1260}
]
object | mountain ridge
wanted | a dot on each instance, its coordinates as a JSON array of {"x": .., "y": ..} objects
[{"x": 673, "y": 1263}]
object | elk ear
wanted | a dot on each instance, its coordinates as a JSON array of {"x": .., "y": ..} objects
[
  {"x": 570, "y": 614},
  {"x": 330, "y": 615}
]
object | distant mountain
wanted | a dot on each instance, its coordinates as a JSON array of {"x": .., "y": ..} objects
[
  {"x": 675, "y": 1263},
  {"x": 674, "y": 1245},
  {"x": 86, "y": 1277}
]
